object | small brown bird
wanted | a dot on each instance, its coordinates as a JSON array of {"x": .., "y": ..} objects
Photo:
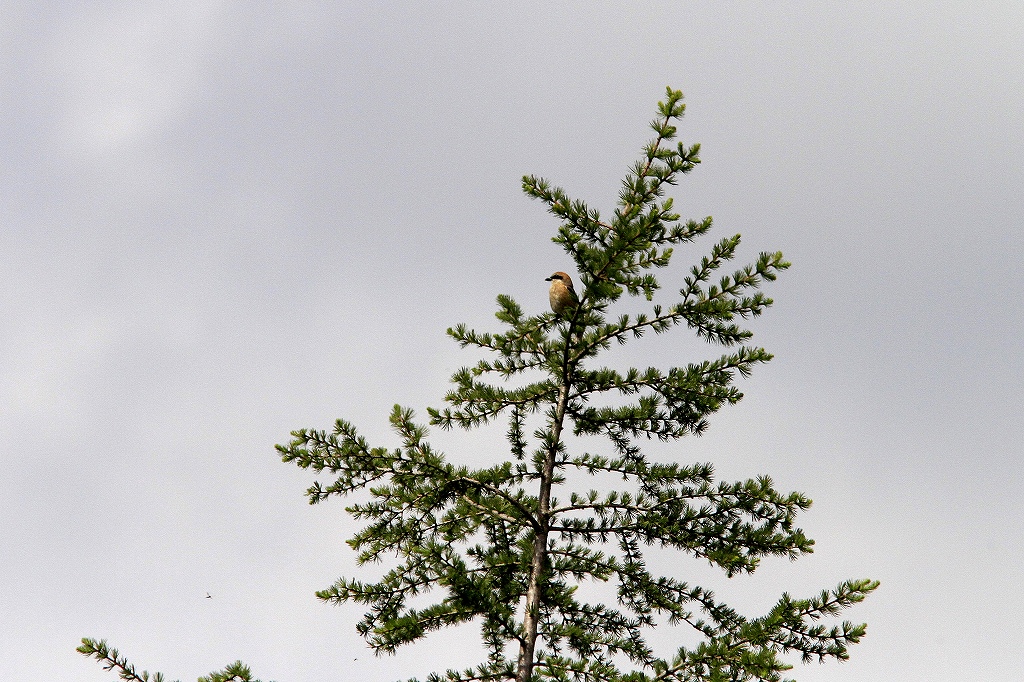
[{"x": 561, "y": 295}]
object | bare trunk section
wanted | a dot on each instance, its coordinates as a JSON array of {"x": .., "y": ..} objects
[{"x": 540, "y": 543}]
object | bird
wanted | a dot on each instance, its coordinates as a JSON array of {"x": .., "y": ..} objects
[{"x": 561, "y": 295}]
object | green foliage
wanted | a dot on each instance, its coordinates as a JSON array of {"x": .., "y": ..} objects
[
  {"x": 495, "y": 543},
  {"x": 111, "y": 659}
]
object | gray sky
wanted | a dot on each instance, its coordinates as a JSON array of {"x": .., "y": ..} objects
[{"x": 223, "y": 221}]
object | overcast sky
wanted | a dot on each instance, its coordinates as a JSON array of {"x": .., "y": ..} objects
[{"x": 222, "y": 221}]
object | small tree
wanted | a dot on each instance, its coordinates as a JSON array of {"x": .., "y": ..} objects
[{"x": 498, "y": 545}]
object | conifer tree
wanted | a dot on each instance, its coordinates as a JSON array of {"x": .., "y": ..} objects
[
  {"x": 506, "y": 546},
  {"x": 503, "y": 550}
]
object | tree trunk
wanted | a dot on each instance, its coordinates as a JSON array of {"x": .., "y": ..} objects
[{"x": 524, "y": 672}]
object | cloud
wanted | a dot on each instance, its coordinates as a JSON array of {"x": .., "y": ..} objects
[{"x": 126, "y": 72}]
